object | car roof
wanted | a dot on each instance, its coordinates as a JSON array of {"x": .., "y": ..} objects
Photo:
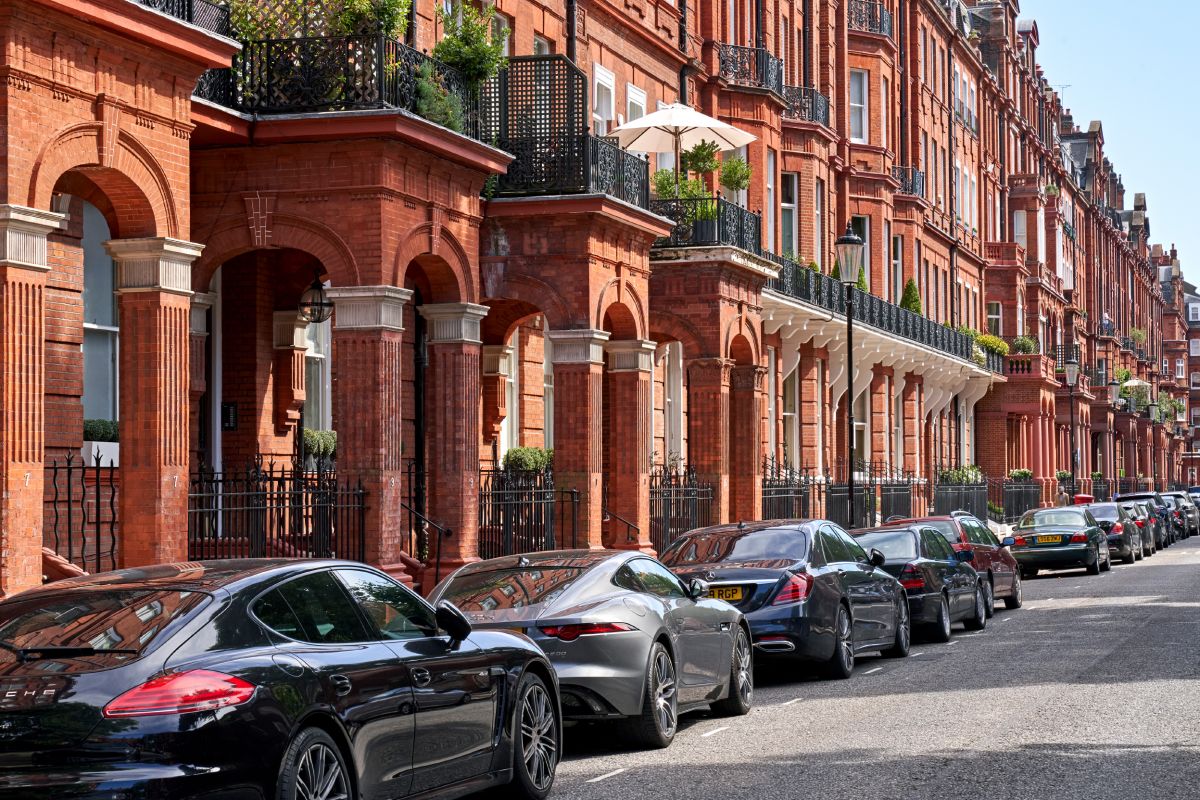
[
  {"x": 549, "y": 559},
  {"x": 757, "y": 526},
  {"x": 930, "y": 518},
  {"x": 193, "y": 575},
  {"x": 893, "y": 528}
]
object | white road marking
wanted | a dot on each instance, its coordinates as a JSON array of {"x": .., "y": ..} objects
[
  {"x": 877, "y": 669},
  {"x": 1008, "y": 619},
  {"x": 607, "y": 775},
  {"x": 714, "y": 732},
  {"x": 910, "y": 655},
  {"x": 793, "y": 700},
  {"x": 952, "y": 641}
]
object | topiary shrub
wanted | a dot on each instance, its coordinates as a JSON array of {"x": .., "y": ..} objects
[
  {"x": 528, "y": 459},
  {"x": 320, "y": 444},
  {"x": 836, "y": 272},
  {"x": 700, "y": 158},
  {"x": 1024, "y": 345},
  {"x": 735, "y": 174},
  {"x": 862, "y": 280},
  {"x": 911, "y": 300},
  {"x": 100, "y": 430},
  {"x": 1062, "y": 475},
  {"x": 1020, "y": 474},
  {"x": 468, "y": 44}
]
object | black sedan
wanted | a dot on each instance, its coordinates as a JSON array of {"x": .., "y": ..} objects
[
  {"x": 1187, "y": 509},
  {"x": 1057, "y": 538},
  {"x": 301, "y": 680},
  {"x": 806, "y": 587},
  {"x": 942, "y": 587},
  {"x": 1146, "y": 523},
  {"x": 1157, "y": 506},
  {"x": 1125, "y": 539}
]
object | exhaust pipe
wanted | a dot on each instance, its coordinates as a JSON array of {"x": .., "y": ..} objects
[{"x": 775, "y": 646}]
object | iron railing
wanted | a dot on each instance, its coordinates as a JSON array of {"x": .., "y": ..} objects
[
  {"x": 678, "y": 503},
  {"x": 1023, "y": 345},
  {"x": 950, "y": 495},
  {"x": 523, "y": 512},
  {"x": 1127, "y": 343},
  {"x": 1008, "y": 500},
  {"x": 709, "y": 221},
  {"x": 869, "y": 17},
  {"x": 1101, "y": 490},
  {"x": 787, "y": 492},
  {"x": 79, "y": 516},
  {"x": 210, "y": 16},
  {"x": 807, "y": 104},
  {"x": 750, "y": 66},
  {"x": 911, "y": 179},
  {"x": 267, "y": 510}
]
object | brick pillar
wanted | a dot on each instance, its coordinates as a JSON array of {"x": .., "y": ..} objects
[
  {"x": 578, "y": 425},
  {"x": 197, "y": 383},
  {"x": 812, "y": 438},
  {"x": 452, "y": 441},
  {"x": 631, "y": 376},
  {"x": 23, "y": 268},
  {"x": 154, "y": 280},
  {"x": 708, "y": 429},
  {"x": 497, "y": 367},
  {"x": 291, "y": 344},
  {"x": 911, "y": 399},
  {"x": 880, "y": 429},
  {"x": 747, "y": 397},
  {"x": 368, "y": 326}
]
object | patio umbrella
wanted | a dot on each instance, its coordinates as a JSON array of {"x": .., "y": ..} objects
[
  {"x": 1135, "y": 383},
  {"x": 675, "y": 128}
]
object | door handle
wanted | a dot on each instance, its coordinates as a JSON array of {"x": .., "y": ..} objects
[
  {"x": 341, "y": 685},
  {"x": 421, "y": 676}
]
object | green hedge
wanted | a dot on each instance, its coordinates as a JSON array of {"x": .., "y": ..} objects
[
  {"x": 528, "y": 459},
  {"x": 100, "y": 430},
  {"x": 321, "y": 444}
]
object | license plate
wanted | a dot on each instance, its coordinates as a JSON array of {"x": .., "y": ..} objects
[
  {"x": 1049, "y": 539},
  {"x": 729, "y": 594}
]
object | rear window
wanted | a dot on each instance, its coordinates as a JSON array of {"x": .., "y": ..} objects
[
  {"x": 1108, "y": 513},
  {"x": 762, "y": 548},
  {"x": 103, "y": 629},
  {"x": 895, "y": 545},
  {"x": 493, "y": 590},
  {"x": 946, "y": 528},
  {"x": 1170, "y": 501},
  {"x": 1052, "y": 516}
]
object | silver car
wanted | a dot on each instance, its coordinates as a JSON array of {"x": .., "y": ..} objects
[{"x": 629, "y": 640}]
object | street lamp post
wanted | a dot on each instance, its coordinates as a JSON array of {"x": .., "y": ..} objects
[
  {"x": 1153, "y": 410},
  {"x": 1114, "y": 394},
  {"x": 850, "y": 249},
  {"x": 1072, "y": 377}
]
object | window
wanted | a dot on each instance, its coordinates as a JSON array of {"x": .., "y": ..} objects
[
  {"x": 318, "y": 377},
  {"x": 1195, "y": 380},
  {"x": 921, "y": 55},
  {"x": 510, "y": 426},
  {"x": 312, "y": 608},
  {"x": 819, "y": 224},
  {"x": 856, "y": 552},
  {"x": 656, "y": 578},
  {"x": 1193, "y": 312},
  {"x": 1019, "y": 229},
  {"x": 859, "y": 128},
  {"x": 772, "y": 399},
  {"x": 502, "y": 32},
  {"x": 897, "y": 269},
  {"x": 885, "y": 104},
  {"x": 787, "y": 215},
  {"x": 771, "y": 198},
  {"x": 993, "y": 319},
  {"x": 603, "y": 95},
  {"x": 542, "y": 46},
  {"x": 635, "y": 102},
  {"x": 547, "y": 390},
  {"x": 832, "y": 546},
  {"x": 396, "y": 611},
  {"x": 100, "y": 324},
  {"x": 862, "y": 227},
  {"x": 1180, "y": 370},
  {"x": 791, "y": 417},
  {"x": 1194, "y": 347}
]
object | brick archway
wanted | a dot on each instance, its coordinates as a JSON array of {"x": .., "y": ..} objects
[
  {"x": 234, "y": 237},
  {"x": 621, "y": 293},
  {"x": 443, "y": 259}
]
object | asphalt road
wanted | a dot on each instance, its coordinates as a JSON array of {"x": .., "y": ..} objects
[{"x": 1092, "y": 690}]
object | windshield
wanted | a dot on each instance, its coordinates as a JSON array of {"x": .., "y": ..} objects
[
  {"x": 895, "y": 545},
  {"x": 519, "y": 587},
  {"x": 1052, "y": 516},
  {"x": 1108, "y": 513},
  {"x": 1170, "y": 501},
  {"x": 782, "y": 546}
]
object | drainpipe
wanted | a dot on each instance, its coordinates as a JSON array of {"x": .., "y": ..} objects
[
  {"x": 953, "y": 191},
  {"x": 572, "y": 14},
  {"x": 1002, "y": 182},
  {"x": 902, "y": 42},
  {"x": 760, "y": 23},
  {"x": 683, "y": 43},
  {"x": 808, "y": 76}
]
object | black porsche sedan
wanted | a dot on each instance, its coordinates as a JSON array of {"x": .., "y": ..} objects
[
  {"x": 305, "y": 680},
  {"x": 942, "y": 586}
]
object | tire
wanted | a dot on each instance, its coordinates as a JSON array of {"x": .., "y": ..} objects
[
  {"x": 1131, "y": 558},
  {"x": 655, "y": 727},
  {"x": 741, "y": 679},
  {"x": 537, "y": 740},
  {"x": 939, "y": 631},
  {"x": 1094, "y": 567},
  {"x": 903, "y": 631},
  {"x": 989, "y": 598},
  {"x": 1029, "y": 572},
  {"x": 1017, "y": 596},
  {"x": 978, "y": 621},
  {"x": 313, "y": 759},
  {"x": 1107, "y": 561},
  {"x": 841, "y": 664}
]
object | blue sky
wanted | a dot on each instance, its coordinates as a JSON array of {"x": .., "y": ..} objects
[{"x": 1133, "y": 67}]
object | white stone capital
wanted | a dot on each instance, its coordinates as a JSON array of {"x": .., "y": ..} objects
[
  {"x": 23, "y": 233},
  {"x": 289, "y": 330},
  {"x": 582, "y": 346},
  {"x": 159, "y": 264},
  {"x": 497, "y": 359},
  {"x": 201, "y": 303},
  {"x": 451, "y": 323},
  {"x": 369, "y": 307},
  {"x": 631, "y": 355}
]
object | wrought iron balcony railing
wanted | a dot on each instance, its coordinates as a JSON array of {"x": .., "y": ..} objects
[
  {"x": 750, "y": 66},
  {"x": 870, "y": 17},
  {"x": 822, "y": 290},
  {"x": 1062, "y": 353},
  {"x": 205, "y": 14},
  {"x": 1127, "y": 343},
  {"x": 912, "y": 180},
  {"x": 709, "y": 221},
  {"x": 807, "y": 104}
]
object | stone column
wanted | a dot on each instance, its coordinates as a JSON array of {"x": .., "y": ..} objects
[
  {"x": 812, "y": 438},
  {"x": 452, "y": 441},
  {"x": 708, "y": 429},
  {"x": 497, "y": 367},
  {"x": 631, "y": 373},
  {"x": 154, "y": 287},
  {"x": 289, "y": 332},
  {"x": 198, "y": 381},
  {"x": 578, "y": 357},
  {"x": 747, "y": 399},
  {"x": 881, "y": 431},
  {"x": 23, "y": 268},
  {"x": 368, "y": 327}
]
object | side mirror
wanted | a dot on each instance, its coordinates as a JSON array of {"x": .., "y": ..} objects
[
  {"x": 453, "y": 621},
  {"x": 1007, "y": 541},
  {"x": 1105, "y": 525},
  {"x": 697, "y": 589},
  {"x": 876, "y": 558},
  {"x": 964, "y": 556}
]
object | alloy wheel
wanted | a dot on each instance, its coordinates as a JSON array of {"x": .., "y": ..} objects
[
  {"x": 664, "y": 694},
  {"x": 944, "y": 618},
  {"x": 905, "y": 628},
  {"x": 320, "y": 776},
  {"x": 989, "y": 598},
  {"x": 845, "y": 645},
  {"x": 539, "y": 740},
  {"x": 743, "y": 665}
]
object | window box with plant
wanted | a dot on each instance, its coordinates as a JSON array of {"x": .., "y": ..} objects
[
  {"x": 1024, "y": 345},
  {"x": 100, "y": 443},
  {"x": 1021, "y": 475}
]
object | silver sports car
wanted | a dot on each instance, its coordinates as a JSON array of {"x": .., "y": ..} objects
[{"x": 629, "y": 640}]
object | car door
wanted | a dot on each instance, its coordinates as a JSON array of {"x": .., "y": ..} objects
[
  {"x": 1004, "y": 573},
  {"x": 360, "y": 679},
  {"x": 699, "y": 629},
  {"x": 946, "y": 564},
  {"x": 455, "y": 690},
  {"x": 881, "y": 590},
  {"x": 857, "y": 585},
  {"x": 985, "y": 556}
]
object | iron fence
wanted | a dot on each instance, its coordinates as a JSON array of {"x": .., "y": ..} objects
[
  {"x": 1008, "y": 500},
  {"x": 807, "y": 104},
  {"x": 523, "y": 512},
  {"x": 787, "y": 492},
  {"x": 750, "y": 66},
  {"x": 678, "y": 503},
  {"x": 953, "y": 493},
  {"x": 1101, "y": 490},
  {"x": 837, "y": 505},
  {"x": 869, "y": 17},
  {"x": 80, "y": 512},
  {"x": 267, "y": 510},
  {"x": 210, "y": 16},
  {"x": 911, "y": 179},
  {"x": 709, "y": 221}
]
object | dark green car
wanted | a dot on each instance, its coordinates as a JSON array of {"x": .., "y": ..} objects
[{"x": 1058, "y": 538}]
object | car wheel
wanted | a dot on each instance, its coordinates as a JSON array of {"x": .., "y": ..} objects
[
  {"x": 537, "y": 743},
  {"x": 313, "y": 769},
  {"x": 1132, "y": 557},
  {"x": 978, "y": 621},
  {"x": 989, "y": 598},
  {"x": 1017, "y": 596},
  {"x": 1093, "y": 567},
  {"x": 1107, "y": 560},
  {"x": 1028, "y": 573},
  {"x": 939, "y": 631},
  {"x": 841, "y": 663},
  {"x": 903, "y": 631},
  {"x": 741, "y": 679},
  {"x": 655, "y": 727}
]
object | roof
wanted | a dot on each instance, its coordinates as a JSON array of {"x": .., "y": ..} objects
[
  {"x": 755, "y": 526},
  {"x": 197, "y": 575}
]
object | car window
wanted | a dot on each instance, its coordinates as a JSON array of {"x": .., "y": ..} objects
[
  {"x": 626, "y": 580},
  {"x": 1087, "y": 515},
  {"x": 856, "y": 552},
  {"x": 974, "y": 532},
  {"x": 782, "y": 546},
  {"x": 936, "y": 546},
  {"x": 312, "y": 608},
  {"x": 832, "y": 545},
  {"x": 897, "y": 546},
  {"x": 656, "y": 578},
  {"x": 1052, "y": 516},
  {"x": 394, "y": 610},
  {"x": 946, "y": 528},
  {"x": 1108, "y": 512},
  {"x": 509, "y": 587}
]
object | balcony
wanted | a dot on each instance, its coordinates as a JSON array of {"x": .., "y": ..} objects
[
  {"x": 911, "y": 179},
  {"x": 1127, "y": 344},
  {"x": 750, "y": 66},
  {"x": 709, "y": 222},
  {"x": 1007, "y": 254},
  {"x": 806, "y": 104},
  {"x": 203, "y": 14},
  {"x": 869, "y": 17}
]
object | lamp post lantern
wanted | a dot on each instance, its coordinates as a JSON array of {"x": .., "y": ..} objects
[
  {"x": 850, "y": 251},
  {"x": 1072, "y": 377}
]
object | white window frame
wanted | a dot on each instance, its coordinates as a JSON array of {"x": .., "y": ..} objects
[
  {"x": 547, "y": 388},
  {"x": 603, "y": 78},
  {"x": 860, "y": 112},
  {"x": 1193, "y": 312},
  {"x": 819, "y": 222},
  {"x": 791, "y": 179},
  {"x": 897, "y": 268},
  {"x": 772, "y": 161},
  {"x": 318, "y": 410},
  {"x": 1180, "y": 369},
  {"x": 1019, "y": 234},
  {"x": 790, "y": 417},
  {"x": 634, "y": 97}
]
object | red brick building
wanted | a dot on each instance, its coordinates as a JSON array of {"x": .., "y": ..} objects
[{"x": 176, "y": 179}]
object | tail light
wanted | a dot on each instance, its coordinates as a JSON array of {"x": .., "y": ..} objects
[
  {"x": 569, "y": 633},
  {"x": 795, "y": 590},
  {"x": 1117, "y": 528},
  {"x": 910, "y": 578},
  {"x": 1079, "y": 538},
  {"x": 181, "y": 693},
  {"x": 1178, "y": 515},
  {"x": 1020, "y": 542},
  {"x": 1141, "y": 523}
]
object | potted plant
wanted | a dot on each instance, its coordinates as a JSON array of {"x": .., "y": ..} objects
[
  {"x": 100, "y": 443},
  {"x": 1062, "y": 475},
  {"x": 320, "y": 447},
  {"x": 528, "y": 459},
  {"x": 1020, "y": 474},
  {"x": 735, "y": 174},
  {"x": 1138, "y": 335},
  {"x": 1024, "y": 345},
  {"x": 1097, "y": 476}
]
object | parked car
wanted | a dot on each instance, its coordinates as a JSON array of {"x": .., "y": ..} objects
[
  {"x": 1177, "y": 516},
  {"x": 806, "y": 587},
  {"x": 1187, "y": 510},
  {"x": 963, "y": 532},
  {"x": 629, "y": 640},
  {"x": 1125, "y": 538},
  {"x": 942, "y": 586},
  {"x": 1055, "y": 538},
  {"x": 1155, "y": 504},
  {"x": 1145, "y": 522},
  {"x": 265, "y": 678}
]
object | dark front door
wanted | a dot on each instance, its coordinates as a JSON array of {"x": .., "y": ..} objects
[{"x": 416, "y": 481}]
